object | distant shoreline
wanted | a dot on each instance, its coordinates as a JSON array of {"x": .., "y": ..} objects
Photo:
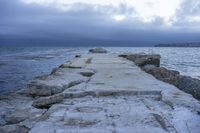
[{"x": 179, "y": 45}]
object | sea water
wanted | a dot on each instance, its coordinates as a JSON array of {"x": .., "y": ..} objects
[{"x": 18, "y": 65}]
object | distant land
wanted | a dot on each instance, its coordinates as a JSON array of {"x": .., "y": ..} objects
[{"x": 193, "y": 44}]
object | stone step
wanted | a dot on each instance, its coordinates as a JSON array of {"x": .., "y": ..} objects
[{"x": 103, "y": 93}]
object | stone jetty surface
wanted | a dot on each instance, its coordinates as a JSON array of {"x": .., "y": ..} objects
[{"x": 99, "y": 93}]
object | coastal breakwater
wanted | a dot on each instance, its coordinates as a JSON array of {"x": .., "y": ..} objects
[
  {"x": 150, "y": 63},
  {"x": 100, "y": 92}
]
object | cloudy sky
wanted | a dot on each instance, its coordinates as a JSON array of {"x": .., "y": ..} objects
[{"x": 99, "y": 22}]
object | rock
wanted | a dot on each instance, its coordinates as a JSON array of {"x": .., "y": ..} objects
[
  {"x": 89, "y": 61},
  {"x": 149, "y": 68},
  {"x": 76, "y": 63},
  {"x": 38, "y": 89},
  {"x": 14, "y": 129},
  {"x": 142, "y": 59},
  {"x": 119, "y": 97},
  {"x": 54, "y": 71},
  {"x": 124, "y": 55},
  {"x": 153, "y": 60},
  {"x": 16, "y": 117},
  {"x": 131, "y": 56},
  {"x": 88, "y": 73},
  {"x": 68, "y": 65},
  {"x": 163, "y": 74},
  {"x": 98, "y": 50},
  {"x": 45, "y": 102},
  {"x": 2, "y": 121},
  {"x": 55, "y": 83},
  {"x": 17, "y": 109},
  {"x": 151, "y": 63},
  {"x": 189, "y": 85},
  {"x": 77, "y": 56}
]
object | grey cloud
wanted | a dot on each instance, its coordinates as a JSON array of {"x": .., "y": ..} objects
[
  {"x": 34, "y": 24},
  {"x": 189, "y": 9}
]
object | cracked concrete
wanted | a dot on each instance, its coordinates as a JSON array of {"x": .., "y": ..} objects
[{"x": 111, "y": 95}]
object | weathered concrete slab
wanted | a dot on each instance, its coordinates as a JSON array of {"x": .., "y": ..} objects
[
  {"x": 120, "y": 97},
  {"x": 114, "y": 96},
  {"x": 118, "y": 114},
  {"x": 57, "y": 82},
  {"x": 77, "y": 63}
]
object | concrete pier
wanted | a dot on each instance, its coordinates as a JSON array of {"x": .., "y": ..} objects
[{"x": 104, "y": 93}]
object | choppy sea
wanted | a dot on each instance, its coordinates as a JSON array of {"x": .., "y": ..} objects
[{"x": 18, "y": 65}]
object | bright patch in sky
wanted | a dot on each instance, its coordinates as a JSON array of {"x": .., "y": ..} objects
[
  {"x": 195, "y": 19},
  {"x": 145, "y": 10},
  {"x": 119, "y": 17}
]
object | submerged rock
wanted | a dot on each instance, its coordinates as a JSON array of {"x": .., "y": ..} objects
[
  {"x": 98, "y": 50},
  {"x": 142, "y": 59}
]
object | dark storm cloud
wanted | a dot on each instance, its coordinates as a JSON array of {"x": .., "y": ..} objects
[{"x": 35, "y": 24}]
